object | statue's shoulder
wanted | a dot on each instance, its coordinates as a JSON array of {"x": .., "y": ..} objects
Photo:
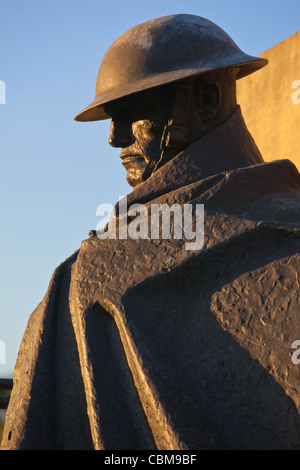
[
  {"x": 65, "y": 266},
  {"x": 59, "y": 282}
]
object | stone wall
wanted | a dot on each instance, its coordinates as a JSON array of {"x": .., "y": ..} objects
[{"x": 270, "y": 102}]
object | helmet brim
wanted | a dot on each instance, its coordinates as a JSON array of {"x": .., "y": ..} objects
[{"x": 95, "y": 111}]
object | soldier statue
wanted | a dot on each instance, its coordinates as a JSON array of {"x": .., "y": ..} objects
[{"x": 139, "y": 342}]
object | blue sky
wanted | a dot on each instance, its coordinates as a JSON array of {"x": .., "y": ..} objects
[{"x": 55, "y": 171}]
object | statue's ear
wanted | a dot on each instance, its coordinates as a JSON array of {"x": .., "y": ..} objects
[{"x": 208, "y": 100}]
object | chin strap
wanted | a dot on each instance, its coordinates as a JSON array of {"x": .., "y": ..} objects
[{"x": 175, "y": 134}]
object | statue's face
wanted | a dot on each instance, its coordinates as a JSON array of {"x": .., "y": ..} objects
[
  {"x": 137, "y": 126},
  {"x": 138, "y": 123}
]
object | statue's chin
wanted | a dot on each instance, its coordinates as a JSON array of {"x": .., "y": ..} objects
[
  {"x": 134, "y": 178},
  {"x": 138, "y": 174}
]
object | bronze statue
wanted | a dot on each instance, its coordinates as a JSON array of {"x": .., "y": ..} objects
[{"x": 140, "y": 343}]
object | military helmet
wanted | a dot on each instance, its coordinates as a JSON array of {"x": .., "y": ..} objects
[{"x": 161, "y": 51}]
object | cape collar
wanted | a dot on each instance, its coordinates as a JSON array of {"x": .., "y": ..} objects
[
  {"x": 216, "y": 164},
  {"x": 227, "y": 147}
]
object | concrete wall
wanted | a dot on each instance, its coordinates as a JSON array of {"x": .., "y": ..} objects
[{"x": 270, "y": 102}]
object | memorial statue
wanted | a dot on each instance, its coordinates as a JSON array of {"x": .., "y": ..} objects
[{"x": 152, "y": 341}]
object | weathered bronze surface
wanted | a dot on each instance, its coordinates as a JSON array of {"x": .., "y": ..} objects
[{"x": 142, "y": 344}]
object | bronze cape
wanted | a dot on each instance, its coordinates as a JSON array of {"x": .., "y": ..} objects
[{"x": 140, "y": 344}]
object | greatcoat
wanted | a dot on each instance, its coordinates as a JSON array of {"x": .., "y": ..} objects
[{"x": 141, "y": 344}]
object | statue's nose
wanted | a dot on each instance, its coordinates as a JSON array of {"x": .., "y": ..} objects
[{"x": 120, "y": 135}]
